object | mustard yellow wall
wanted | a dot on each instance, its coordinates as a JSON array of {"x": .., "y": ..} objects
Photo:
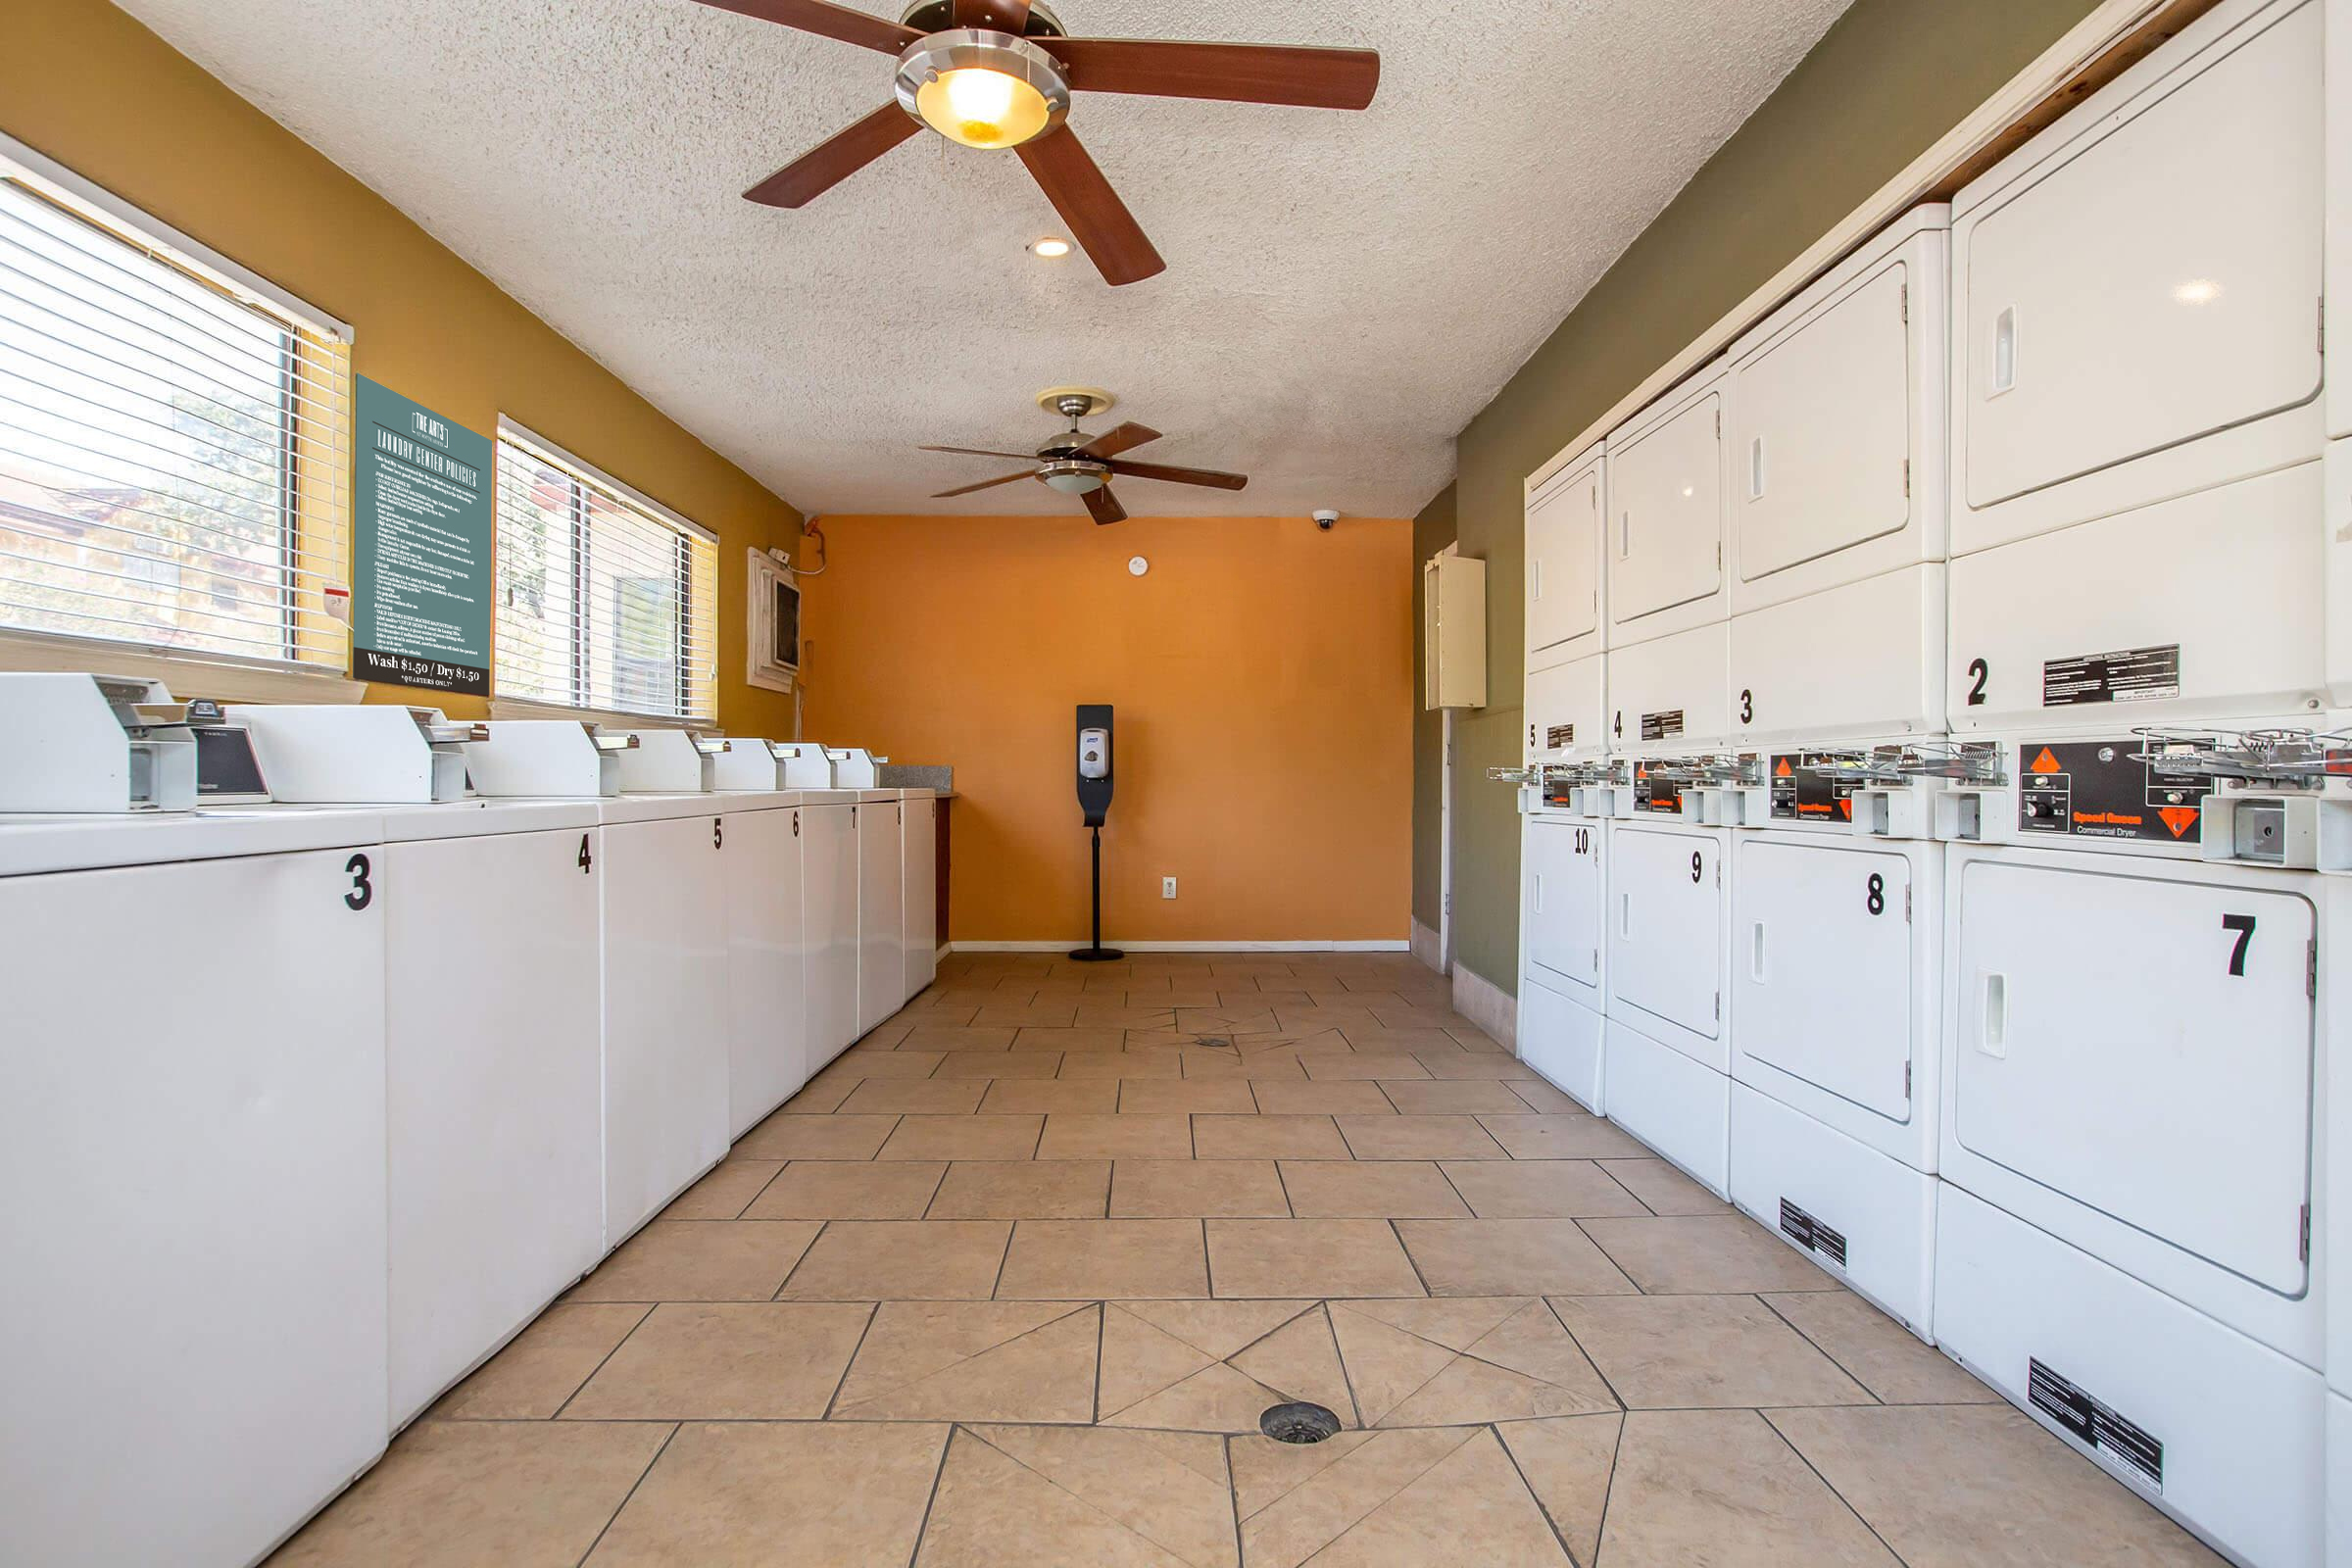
[
  {"x": 1263, "y": 673},
  {"x": 83, "y": 83}
]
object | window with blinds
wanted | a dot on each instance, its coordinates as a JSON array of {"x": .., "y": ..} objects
[
  {"x": 607, "y": 601},
  {"x": 175, "y": 463}
]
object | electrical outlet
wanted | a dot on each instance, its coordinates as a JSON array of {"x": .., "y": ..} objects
[{"x": 1167, "y": 886}]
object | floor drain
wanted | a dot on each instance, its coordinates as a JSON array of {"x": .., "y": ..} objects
[{"x": 1298, "y": 1423}]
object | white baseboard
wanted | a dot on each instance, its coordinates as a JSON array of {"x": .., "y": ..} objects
[
  {"x": 1373, "y": 944},
  {"x": 1424, "y": 946},
  {"x": 1486, "y": 1005}
]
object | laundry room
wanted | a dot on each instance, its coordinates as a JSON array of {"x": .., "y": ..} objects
[{"x": 985, "y": 784}]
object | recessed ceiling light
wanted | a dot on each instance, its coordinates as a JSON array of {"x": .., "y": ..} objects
[{"x": 1051, "y": 247}]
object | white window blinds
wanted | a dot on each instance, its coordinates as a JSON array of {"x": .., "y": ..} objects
[
  {"x": 607, "y": 600},
  {"x": 174, "y": 462}
]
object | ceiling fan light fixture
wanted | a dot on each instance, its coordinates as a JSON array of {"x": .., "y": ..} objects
[
  {"x": 982, "y": 88},
  {"x": 1053, "y": 247},
  {"x": 1073, "y": 479}
]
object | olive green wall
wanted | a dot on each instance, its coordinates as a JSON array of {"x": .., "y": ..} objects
[
  {"x": 1882, "y": 85},
  {"x": 1433, "y": 531}
]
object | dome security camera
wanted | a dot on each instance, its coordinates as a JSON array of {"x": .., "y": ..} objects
[{"x": 1326, "y": 520}]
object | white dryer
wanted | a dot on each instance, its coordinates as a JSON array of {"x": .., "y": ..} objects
[
  {"x": 195, "y": 1060},
  {"x": 829, "y": 934},
  {"x": 2134, "y": 1083},
  {"x": 1837, "y": 973},
  {"x": 2135, "y": 391},
  {"x": 1565, "y": 568},
  {"x": 1668, "y": 488},
  {"x": 1668, "y": 919},
  {"x": 918, "y": 869}
]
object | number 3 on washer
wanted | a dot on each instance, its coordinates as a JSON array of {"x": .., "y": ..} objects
[{"x": 362, "y": 891}]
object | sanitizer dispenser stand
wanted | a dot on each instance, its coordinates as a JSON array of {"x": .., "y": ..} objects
[{"x": 1094, "y": 799}]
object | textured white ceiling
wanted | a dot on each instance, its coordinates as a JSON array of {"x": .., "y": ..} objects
[{"x": 1343, "y": 291}]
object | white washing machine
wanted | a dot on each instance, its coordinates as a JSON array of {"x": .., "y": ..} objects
[
  {"x": 1565, "y": 568},
  {"x": 880, "y": 818},
  {"x": 829, "y": 945},
  {"x": 1836, "y": 982},
  {"x": 919, "y": 867},
  {"x": 1669, "y": 483},
  {"x": 667, "y": 1090},
  {"x": 760, "y": 866},
  {"x": 1836, "y": 424},
  {"x": 2133, "y": 1099},
  {"x": 195, "y": 1061},
  {"x": 1668, "y": 919},
  {"x": 494, "y": 1076}
]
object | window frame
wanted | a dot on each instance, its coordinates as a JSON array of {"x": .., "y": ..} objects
[
  {"x": 193, "y": 671},
  {"x": 513, "y": 432}
]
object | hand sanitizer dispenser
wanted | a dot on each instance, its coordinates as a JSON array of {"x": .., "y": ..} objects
[{"x": 1094, "y": 799}]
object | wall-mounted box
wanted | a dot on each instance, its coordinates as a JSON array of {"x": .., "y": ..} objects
[{"x": 1453, "y": 625}]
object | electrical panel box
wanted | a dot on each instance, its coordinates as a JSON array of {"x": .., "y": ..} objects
[
  {"x": 1665, "y": 522},
  {"x": 1669, "y": 694},
  {"x": 1454, "y": 632},
  {"x": 1836, "y": 412},
  {"x": 1564, "y": 564},
  {"x": 2137, "y": 291},
  {"x": 1863, "y": 658}
]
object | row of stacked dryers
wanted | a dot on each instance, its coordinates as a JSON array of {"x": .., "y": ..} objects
[
  {"x": 1936, "y": 813},
  {"x": 312, "y": 1104}
]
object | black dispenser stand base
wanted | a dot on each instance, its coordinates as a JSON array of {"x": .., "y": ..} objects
[{"x": 1096, "y": 952}]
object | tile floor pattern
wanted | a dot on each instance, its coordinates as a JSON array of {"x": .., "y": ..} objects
[{"x": 1008, "y": 1285}]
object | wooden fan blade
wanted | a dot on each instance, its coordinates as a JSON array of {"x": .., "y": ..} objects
[
  {"x": 968, "y": 489},
  {"x": 1156, "y": 470},
  {"x": 1238, "y": 72},
  {"x": 826, "y": 20},
  {"x": 836, "y": 158},
  {"x": 1099, "y": 220},
  {"x": 1000, "y": 15},
  {"x": 1120, "y": 440},
  {"x": 982, "y": 451},
  {"x": 1105, "y": 506}
]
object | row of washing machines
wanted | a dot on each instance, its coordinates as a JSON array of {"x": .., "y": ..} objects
[
  {"x": 1938, "y": 778},
  {"x": 340, "y": 1040}
]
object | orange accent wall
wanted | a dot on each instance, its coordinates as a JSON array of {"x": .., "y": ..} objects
[
  {"x": 86, "y": 85},
  {"x": 1263, "y": 673}
]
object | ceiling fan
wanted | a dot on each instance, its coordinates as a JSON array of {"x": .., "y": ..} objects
[
  {"x": 997, "y": 74},
  {"x": 1083, "y": 466}
]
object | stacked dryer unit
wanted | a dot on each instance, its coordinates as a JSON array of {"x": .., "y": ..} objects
[
  {"x": 828, "y": 819},
  {"x": 760, "y": 825},
  {"x": 1667, "y": 913},
  {"x": 1563, "y": 837},
  {"x": 2135, "y": 1018},
  {"x": 1838, "y": 536}
]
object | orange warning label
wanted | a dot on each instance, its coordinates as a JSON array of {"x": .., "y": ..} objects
[
  {"x": 1784, "y": 770},
  {"x": 2179, "y": 818},
  {"x": 2046, "y": 763}
]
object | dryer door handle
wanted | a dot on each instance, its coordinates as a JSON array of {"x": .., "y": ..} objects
[
  {"x": 1992, "y": 1016},
  {"x": 1755, "y": 959}
]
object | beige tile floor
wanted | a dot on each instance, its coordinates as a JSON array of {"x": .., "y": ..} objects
[{"x": 1008, "y": 1285}]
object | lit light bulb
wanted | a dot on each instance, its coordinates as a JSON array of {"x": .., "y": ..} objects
[
  {"x": 2198, "y": 291},
  {"x": 982, "y": 108},
  {"x": 1051, "y": 247}
]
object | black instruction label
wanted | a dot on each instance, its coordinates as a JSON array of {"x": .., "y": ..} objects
[
  {"x": 1811, "y": 1233},
  {"x": 1659, "y": 795},
  {"x": 2126, "y": 675},
  {"x": 1663, "y": 726},
  {"x": 1800, "y": 795},
  {"x": 2095, "y": 1425},
  {"x": 1559, "y": 735}
]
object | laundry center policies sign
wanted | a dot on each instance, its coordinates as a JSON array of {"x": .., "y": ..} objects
[{"x": 421, "y": 601}]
